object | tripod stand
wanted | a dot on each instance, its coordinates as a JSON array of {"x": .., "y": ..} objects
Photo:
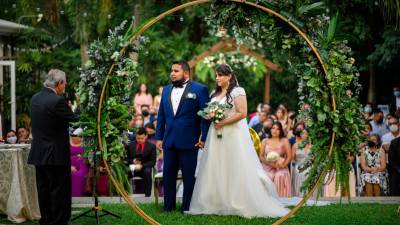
[{"x": 98, "y": 210}]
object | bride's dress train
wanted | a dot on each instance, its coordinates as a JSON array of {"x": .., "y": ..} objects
[{"x": 231, "y": 180}]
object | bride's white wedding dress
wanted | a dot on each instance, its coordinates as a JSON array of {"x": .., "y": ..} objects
[{"x": 231, "y": 180}]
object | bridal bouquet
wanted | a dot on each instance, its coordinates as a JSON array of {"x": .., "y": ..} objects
[
  {"x": 274, "y": 157},
  {"x": 215, "y": 112}
]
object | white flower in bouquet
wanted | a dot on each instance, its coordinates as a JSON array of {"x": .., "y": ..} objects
[
  {"x": 215, "y": 112},
  {"x": 272, "y": 156}
]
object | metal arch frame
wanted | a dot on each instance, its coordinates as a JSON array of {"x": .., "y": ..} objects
[{"x": 119, "y": 187}]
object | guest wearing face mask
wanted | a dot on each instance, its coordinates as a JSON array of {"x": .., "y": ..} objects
[
  {"x": 373, "y": 164},
  {"x": 147, "y": 117},
  {"x": 378, "y": 126},
  {"x": 394, "y": 132},
  {"x": 11, "y": 137},
  {"x": 395, "y": 103},
  {"x": 298, "y": 129},
  {"x": 368, "y": 112}
]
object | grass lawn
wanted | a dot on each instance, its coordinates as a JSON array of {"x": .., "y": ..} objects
[{"x": 362, "y": 214}]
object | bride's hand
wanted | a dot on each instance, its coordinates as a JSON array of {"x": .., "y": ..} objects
[{"x": 219, "y": 125}]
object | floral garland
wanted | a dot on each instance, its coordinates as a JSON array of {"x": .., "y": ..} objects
[
  {"x": 285, "y": 47},
  {"x": 115, "y": 112}
]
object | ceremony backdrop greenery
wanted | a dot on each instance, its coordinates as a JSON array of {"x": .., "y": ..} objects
[
  {"x": 255, "y": 29},
  {"x": 332, "y": 27},
  {"x": 373, "y": 37}
]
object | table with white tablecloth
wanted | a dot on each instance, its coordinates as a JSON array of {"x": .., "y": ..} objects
[{"x": 18, "y": 193}]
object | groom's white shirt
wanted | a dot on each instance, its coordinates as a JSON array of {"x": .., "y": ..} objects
[{"x": 176, "y": 97}]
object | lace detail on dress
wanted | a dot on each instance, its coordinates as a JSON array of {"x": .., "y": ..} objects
[{"x": 238, "y": 91}]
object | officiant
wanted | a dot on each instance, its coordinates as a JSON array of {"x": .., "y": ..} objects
[{"x": 141, "y": 157}]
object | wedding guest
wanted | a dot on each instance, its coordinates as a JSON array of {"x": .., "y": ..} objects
[
  {"x": 368, "y": 112},
  {"x": 300, "y": 151},
  {"x": 137, "y": 121},
  {"x": 103, "y": 182},
  {"x": 143, "y": 97},
  {"x": 378, "y": 126},
  {"x": 50, "y": 151},
  {"x": 393, "y": 124},
  {"x": 147, "y": 117},
  {"x": 79, "y": 168},
  {"x": 277, "y": 170},
  {"x": 367, "y": 130},
  {"x": 267, "y": 125},
  {"x": 394, "y": 167},
  {"x": 151, "y": 132},
  {"x": 255, "y": 119},
  {"x": 23, "y": 135},
  {"x": 282, "y": 117},
  {"x": 142, "y": 155},
  {"x": 296, "y": 133},
  {"x": 395, "y": 103},
  {"x": 373, "y": 164},
  {"x": 262, "y": 116},
  {"x": 157, "y": 99},
  {"x": 11, "y": 137}
]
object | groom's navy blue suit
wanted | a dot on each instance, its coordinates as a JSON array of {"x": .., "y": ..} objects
[{"x": 180, "y": 133}]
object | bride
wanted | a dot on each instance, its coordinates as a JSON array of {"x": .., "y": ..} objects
[{"x": 231, "y": 180}]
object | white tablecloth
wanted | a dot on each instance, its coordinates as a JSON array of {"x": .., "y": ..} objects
[{"x": 18, "y": 193}]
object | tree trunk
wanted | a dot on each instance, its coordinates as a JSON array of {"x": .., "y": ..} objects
[
  {"x": 84, "y": 54},
  {"x": 372, "y": 78},
  {"x": 267, "y": 83},
  {"x": 371, "y": 85}
]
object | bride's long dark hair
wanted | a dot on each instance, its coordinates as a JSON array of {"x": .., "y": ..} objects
[{"x": 226, "y": 70}]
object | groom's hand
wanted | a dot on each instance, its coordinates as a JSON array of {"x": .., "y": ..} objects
[
  {"x": 199, "y": 144},
  {"x": 159, "y": 145}
]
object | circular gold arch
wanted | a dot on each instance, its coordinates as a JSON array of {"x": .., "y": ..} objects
[{"x": 119, "y": 187}]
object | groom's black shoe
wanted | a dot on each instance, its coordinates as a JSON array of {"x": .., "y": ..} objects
[{"x": 169, "y": 210}]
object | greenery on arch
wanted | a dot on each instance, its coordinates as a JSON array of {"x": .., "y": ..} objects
[{"x": 288, "y": 49}]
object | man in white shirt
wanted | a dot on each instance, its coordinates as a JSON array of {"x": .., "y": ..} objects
[{"x": 395, "y": 103}]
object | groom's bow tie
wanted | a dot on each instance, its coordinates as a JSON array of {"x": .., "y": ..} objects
[{"x": 179, "y": 84}]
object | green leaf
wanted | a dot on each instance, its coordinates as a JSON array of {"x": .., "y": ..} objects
[
  {"x": 307, "y": 8},
  {"x": 321, "y": 117}
]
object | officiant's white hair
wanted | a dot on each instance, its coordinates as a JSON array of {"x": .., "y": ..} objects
[{"x": 54, "y": 76}]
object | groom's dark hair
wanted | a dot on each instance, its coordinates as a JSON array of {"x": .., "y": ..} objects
[{"x": 185, "y": 66}]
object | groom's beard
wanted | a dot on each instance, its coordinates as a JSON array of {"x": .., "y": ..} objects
[{"x": 179, "y": 83}]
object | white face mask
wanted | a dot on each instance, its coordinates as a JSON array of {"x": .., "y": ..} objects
[
  {"x": 394, "y": 128},
  {"x": 12, "y": 140}
]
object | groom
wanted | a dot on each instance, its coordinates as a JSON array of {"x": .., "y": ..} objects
[{"x": 180, "y": 132}]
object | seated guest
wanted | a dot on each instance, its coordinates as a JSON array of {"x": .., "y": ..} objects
[
  {"x": 141, "y": 158},
  {"x": 275, "y": 157},
  {"x": 23, "y": 135},
  {"x": 373, "y": 165},
  {"x": 262, "y": 116},
  {"x": 103, "y": 182},
  {"x": 266, "y": 127},
  {"x": 378, "y": 126},
  {"x": 394, "y": 167},
  {"x": 296, "y": 134},
  {"x": 151, "y": 131},
  {"x": 11, "y": 137},
  {"x": 300, "y": 151},
  {"x": 147, "y": 116},
  {"x": 79, "y": 169}
]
